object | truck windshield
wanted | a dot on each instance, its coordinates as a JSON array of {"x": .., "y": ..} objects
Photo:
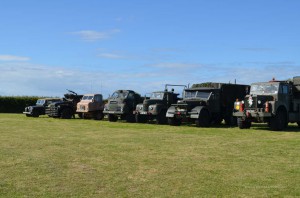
[
  {"x": 119, "y": 94},
  {"x": 157, "y": 95},
  {"x": 196, "y": 94},
  {"x": 87, "y": 97},
  {"x": 264, "y": 88},
  {"x": 40, "y": 102}
]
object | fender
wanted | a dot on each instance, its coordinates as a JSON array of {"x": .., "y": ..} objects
[
  {"x": 171, "y": 112},
  {"x": 156, "y": 108},
  {"x": 195, "y": 112}
]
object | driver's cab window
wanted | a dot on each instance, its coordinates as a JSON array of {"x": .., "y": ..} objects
[
  {"x": 98, "y": 98},
  {"x": 284, "y": 89},
  {"x": 130, "y": 96}
]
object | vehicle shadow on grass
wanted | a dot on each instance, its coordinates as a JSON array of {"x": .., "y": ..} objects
[{"x": 290, "y": 128}]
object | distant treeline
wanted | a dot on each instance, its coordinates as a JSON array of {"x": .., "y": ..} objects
[{"x": 16, "y": 104}]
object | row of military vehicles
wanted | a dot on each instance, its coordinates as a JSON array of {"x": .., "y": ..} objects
[{"x": 275, "y": 102}]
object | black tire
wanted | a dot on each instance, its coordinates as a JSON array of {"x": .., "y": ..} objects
[
  {"x": 98, "y": 116},
  {"x": 112, "y": 118},
  {"x": 66, "y": 113},
  {"x": 129, "y": 118},
  {"x": 204, "y": 119},
  {"x": 231, "y": 121},
  {"x": 243, "y": 124},
  {"x": 161, "y": 117},
  {"x": 174, "y": 121},
  {"x": 279, "y": 121},
  {"x": 35, "y": 114},
  {"x": 140, "y": 118}
]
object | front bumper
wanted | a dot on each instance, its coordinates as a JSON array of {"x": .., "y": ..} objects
[
  {"x": 178, "y": 114},
  {"x": 253, "y": 115},
  {"x": 114, "y": 112}
]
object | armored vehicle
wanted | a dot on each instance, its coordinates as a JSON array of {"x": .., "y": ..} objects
[
  {"x": 40, "y": 106},
  {"x": 121, "y": 104},
  {"x": 66, "y": 108},
  {"x": 206, "y": 103},
  {"x": 275, "y": 102},
  {"x": 91, "y": 106},
  {"x": 155, "y": 107}
]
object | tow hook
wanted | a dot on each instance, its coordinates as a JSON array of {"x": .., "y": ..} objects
[{"x": 248, "y": 114}]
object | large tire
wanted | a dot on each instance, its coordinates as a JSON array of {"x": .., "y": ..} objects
[
  {"x": 66, "y": 113},
  {"x": 35, "y": 114},
  {"x": 174, "y": 121},
  {"x": 243, "y": 124},
  {"x": 129, "y": 118},
  {"x": 140, "y": 118},
  {"x": 98, "y": 116},
  {"x": 231, "y": 121},
  {"x": 112, "y": 118},
  {"x": 279, "y": 121},
  {"x": 161, "y": 117},
  {"x": 204, "y": 119}
]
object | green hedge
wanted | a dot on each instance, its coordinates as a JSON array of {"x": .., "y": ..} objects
[{"x": 16, "y": 104}]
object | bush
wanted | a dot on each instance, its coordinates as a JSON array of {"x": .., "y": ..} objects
[{"x": 10, "y": 104}]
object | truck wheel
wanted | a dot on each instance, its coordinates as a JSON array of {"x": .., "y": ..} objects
[
  {"x": 140, "y": 118},
  {"x": 174, "y": 121},
  {"x": 203, "y": 120},
  {"x": 35, "y": 114},
  {"x": 231, "y": 121},
  {"x": 129, "y": 118},
  {"x": 66, "y": 113},
  {"x": 279, "y": 121},
  {"x": 98, "y": 116},
  {"x": 243, "y": 124},
  {"x": 112, "y": 118},
  {"x": 161, "y": 118}
]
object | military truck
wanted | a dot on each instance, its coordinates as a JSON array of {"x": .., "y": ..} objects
[
  {"x": 91, "y": 106},
  {"x": 121, "y": 105},
  {"x": 66, "y": 108},
  {"x": 155, "y": 107},
  {"x": 275, "y": 102},
  {"x": 206, "y": 103},
  {"x": 40, "y": 106}
]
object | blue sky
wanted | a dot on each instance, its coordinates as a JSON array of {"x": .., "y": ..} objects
[{"x": 88, "y": 46}]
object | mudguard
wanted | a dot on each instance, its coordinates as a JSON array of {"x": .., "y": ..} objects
[
  {"x": 195, "y": 112},
  {"x": 171, "y": 112}
]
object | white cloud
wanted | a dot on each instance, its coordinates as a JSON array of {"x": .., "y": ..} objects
[
  {"x": 90, "y": 35},
  {"x": 13, "y": 58},
  {"x": 110, "y": 56},
  {"x": 23, "y": 78}
]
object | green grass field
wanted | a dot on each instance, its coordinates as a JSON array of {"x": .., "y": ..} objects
[{"x": 46, "y": 157}]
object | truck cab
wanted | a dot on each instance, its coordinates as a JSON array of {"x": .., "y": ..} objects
[
  {"x": 121, "y": 105},
  {"x": 206, "y": 103},
  {"x": 274, "y": 102},
  {"x": 155, "y": 107},
  {"x": 91, "y": 106}
]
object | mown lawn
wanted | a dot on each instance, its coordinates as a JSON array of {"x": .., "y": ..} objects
[{"x": 46, "y": 157}]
